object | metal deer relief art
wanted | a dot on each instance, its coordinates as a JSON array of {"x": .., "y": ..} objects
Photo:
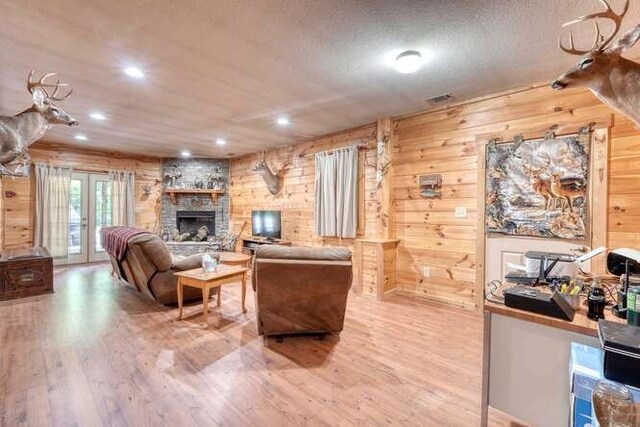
[
  {"x": 538, "y": 187},
  {"x": 612, "y": 78},
  {"x": 19, "y": 131},
  {"x": 271, "y": 178}
]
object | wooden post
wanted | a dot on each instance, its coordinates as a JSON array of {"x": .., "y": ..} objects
[
  {"x": 599, "y": 196},
  {"x": 384, "y": 172},
  {"x": 480, "y": 234}
]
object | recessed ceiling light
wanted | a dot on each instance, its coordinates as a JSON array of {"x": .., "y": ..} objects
[
  {"x": 134, "y": 72},
  {"x": 220, "y": 141},
  {"x": 408, "y": 62},
  {"x": 97, "y": 116},
  {"x": 283, "y": 121},
  {"x": 80, "y": 137},
  {"x": 185, "y": 153}
]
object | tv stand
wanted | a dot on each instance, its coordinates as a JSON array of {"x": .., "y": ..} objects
[{"x": 250, "y": 245}]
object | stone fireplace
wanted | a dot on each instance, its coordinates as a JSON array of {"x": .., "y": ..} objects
[
  {"x": 191, "y": 221},
  {"x": 187, "y": 212}
]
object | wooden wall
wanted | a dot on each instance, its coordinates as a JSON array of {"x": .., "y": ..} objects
[
  {"x": 18, "y": 195},
  {"x": 443, "y": 141},
  {"x": 296, "y": 200},
  {"x": 446, "y": 142}
]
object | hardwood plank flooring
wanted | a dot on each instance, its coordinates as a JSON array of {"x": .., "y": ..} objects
[{"x": 98, "y": 353}]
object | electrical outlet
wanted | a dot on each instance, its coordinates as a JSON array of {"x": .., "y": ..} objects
[
  {"x": 461, "y": 212},
  {"x": 426, "y": 271}
]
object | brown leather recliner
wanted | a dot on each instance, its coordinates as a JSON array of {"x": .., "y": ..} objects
[
  {"x": 301, "y": 290},
  {"x": 149, "y": 266}
]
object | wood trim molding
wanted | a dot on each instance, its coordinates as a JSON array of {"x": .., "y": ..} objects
[
  {"x": 56, "y": 146},
  {"x": 599, "y": 195},
  {"x": 481, "y": 148}
]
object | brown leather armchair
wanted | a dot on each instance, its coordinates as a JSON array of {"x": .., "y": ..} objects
[
  {"x": 301, "y": 290},
  {"x": 149, "y": 266}
]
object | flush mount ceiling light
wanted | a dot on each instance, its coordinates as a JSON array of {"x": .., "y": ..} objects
[
  {"x": 220, "y": 141},
  {"x": 283, "y": 121},
  {"x": 408, "y": 62},
  {"x": 80, "y": 137},
  {"x": 134, "y": 72},
  {"x": 185, "y": 153},
  {"x": 97, "y": 116}
]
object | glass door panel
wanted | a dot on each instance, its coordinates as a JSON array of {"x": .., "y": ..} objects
[
  {"x": 100, "y": 213},
  {"x": 89, "y": 210},
  {"x": 78, "y": 209}
]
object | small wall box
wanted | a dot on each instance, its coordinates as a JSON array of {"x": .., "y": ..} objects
[{"x": 430, "y": 186}]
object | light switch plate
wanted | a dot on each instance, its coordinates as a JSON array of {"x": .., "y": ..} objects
[
  {"x": 426, "y": 271},
  {"x": 461, "y": 212}
]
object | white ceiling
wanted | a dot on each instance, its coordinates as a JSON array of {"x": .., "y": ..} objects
[{"x": 229, "y": 68}]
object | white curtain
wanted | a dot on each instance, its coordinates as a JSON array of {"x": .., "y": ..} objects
[
  {"x": 123, "y": 198},
  {"x": 336, "y": 208},
  {"x": 52, "y": 209}
]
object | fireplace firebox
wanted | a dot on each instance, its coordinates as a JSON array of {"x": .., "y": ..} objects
[{"x": 190, "y": 221}]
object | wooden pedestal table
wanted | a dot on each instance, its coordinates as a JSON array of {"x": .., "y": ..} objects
[
  {"x": 235, "y": 258},
  {"x": 196, "y": 278}
]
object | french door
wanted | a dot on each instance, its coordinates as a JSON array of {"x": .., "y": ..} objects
[{"x": 89, "y": 211}]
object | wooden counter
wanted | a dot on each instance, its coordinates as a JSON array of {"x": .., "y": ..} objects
[{"x": 581, "y": 324}]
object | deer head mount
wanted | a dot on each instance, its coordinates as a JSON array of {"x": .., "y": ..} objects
[
  {"x": 271, "y": 178},
  {"x": 19, "y": 131},
  {"x": 612, "y": 78}
]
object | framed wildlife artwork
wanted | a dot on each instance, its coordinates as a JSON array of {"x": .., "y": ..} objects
[{"x": 538, "y": 188}]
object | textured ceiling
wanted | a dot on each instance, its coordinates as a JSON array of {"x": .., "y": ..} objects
[{"x": 229, "y": 68}]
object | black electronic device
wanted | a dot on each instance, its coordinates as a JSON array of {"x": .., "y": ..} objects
[
  {"x": 266, "y": 224},
  {"x": 536, "y": 301}
]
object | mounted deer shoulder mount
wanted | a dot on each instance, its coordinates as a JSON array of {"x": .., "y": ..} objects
[
  {"x": 20, "y": 131},
  {"x": 271, "y": 178},
  {"x": 612, "y": 78}
]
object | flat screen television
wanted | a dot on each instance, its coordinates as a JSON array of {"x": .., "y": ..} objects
[{"x": 266, "y": 224}]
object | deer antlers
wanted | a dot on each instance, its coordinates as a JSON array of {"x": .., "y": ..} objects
[
  {"x": 31, "y": 86},
  {"x": 530, "y": 170},
  {"x": 599, "y": 43}
]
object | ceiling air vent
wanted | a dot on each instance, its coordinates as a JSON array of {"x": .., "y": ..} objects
[{"x": 440, "y": 98}]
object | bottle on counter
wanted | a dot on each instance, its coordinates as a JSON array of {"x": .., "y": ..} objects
[{"x": 596, "y": 301}]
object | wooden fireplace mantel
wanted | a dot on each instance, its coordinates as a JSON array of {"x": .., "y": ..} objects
[{"x": 174, "y": 192}]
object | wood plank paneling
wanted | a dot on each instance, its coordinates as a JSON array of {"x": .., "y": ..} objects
[
  {"x": 296, "y": 200},
  {"x": 18, "y": 201},
  {"x": 444, "y": 141}
]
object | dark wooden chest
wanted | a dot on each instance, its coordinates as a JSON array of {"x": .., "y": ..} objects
[{"x": 25, "y": 272}]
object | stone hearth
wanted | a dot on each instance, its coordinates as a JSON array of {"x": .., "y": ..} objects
[{"x": 190, "y": 248}]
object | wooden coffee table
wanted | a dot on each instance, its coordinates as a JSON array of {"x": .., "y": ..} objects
[{"x": 196, "y": 278}]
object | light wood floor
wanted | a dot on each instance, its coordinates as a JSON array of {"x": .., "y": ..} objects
[{"x": 97, "y": 353}]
